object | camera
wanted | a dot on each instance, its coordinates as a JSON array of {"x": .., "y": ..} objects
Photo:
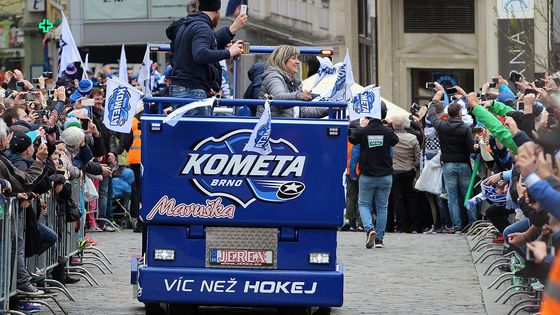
[
  {"x": 414, "y": 108},
  {"x": 48, "y": 75},
  {"x": 430, "y": 85},
  {"x": 30, "y": 96},
  {"x": 539, "y": 75},
  {"x": 492, "y": 85},
  {"x": 531, "y": 91}
]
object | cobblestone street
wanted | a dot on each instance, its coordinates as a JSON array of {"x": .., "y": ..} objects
[{"x": 414, "y": 274}]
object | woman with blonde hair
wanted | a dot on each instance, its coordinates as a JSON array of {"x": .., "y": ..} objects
[{"x": 280, "y": 82}]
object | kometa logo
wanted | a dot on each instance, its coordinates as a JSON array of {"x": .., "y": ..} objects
[
  {"x": 119, "y": 106},
  {"x": 220, "y": 168}
]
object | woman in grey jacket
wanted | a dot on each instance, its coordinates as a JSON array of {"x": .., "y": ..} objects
[{"x": 280, "y": 82}]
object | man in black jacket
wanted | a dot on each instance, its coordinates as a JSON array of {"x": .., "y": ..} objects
[
  {"x": 197, "y": 51},
  {"x": 376, "y": 173},
  {"x": 457, "y": 143}
]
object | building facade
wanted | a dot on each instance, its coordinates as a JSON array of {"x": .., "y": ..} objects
[{"x": 465, "y": 42}]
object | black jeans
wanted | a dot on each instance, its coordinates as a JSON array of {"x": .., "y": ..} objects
[
  {"x": 499, "y": 216},
  {"x": 404, "y": 200},
  {"x": 352, "y": 213}
]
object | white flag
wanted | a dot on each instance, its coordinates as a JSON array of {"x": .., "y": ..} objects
[
  {"x": 67, "y": 52},
  {"x": 120, "y": 105},
  {"x": 259, "y": 141},
  {"x": 366, "y": 103},
  {"x": 86, "y": 65},
  {"x": 173, "y": 118},
  {"x": 144, "y": 75},
  {"x": 123, "y": 71},
  {"x": 326, "y": 68},
  {"x": 342, "y": 89}
]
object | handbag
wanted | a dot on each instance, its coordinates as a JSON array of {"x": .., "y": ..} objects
[
  {"x": 431, "y": 178},
  {"x": 90, "y": 193}
]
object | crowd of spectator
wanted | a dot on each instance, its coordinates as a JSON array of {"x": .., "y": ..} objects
[{"x": 52, "y": 133}]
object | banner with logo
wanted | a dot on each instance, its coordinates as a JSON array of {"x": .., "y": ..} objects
[
  {"x": 516, "y": 37},
  {"x": 67, "y": 51},
  {"x": 259, "y": 141},
  {"x": 366, "y": 103},
  {"x": 200, "y": 173},
  {"x": 341, "y": 91},
  {"x": 120, "y": 105},
  {"x": 326, "y": 68}
]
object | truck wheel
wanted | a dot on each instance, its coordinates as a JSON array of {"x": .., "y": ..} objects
[
  {"x": 322, "y": 311},
  {"x": 181, "y": 309},
  {"x": 294, "y": 310},
  {"x": 153, "y": 309}
]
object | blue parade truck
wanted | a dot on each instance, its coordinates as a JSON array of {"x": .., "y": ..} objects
[{"x": 228, "y": 227}]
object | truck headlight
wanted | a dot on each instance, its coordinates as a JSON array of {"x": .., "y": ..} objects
[
  {"x": 319, "y": 258},
  {"x": 164, "y": 254}
]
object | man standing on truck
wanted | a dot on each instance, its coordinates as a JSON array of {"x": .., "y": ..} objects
[
  {"x": 376, "y": 140},
  {"x": 197, "y": 51}
]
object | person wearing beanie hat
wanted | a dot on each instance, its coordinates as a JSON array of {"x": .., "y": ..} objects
[
  {"x": 198, "y": 50},
  {"x": 72, "y": 136},
  {"x": 85, "y": 86},
  {"x": 20, "y": 143},
  {"x": 209, "y": 5}
]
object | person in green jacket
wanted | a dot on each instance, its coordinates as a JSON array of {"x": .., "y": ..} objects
[{"x": 490, "y": 122}]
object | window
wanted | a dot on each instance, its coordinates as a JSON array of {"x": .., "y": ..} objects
[
  {"x": 439, "y": 16},
  {"x": 366, "y": 41}
]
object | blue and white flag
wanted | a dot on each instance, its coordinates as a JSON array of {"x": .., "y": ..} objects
[
  {"x": 326, "y": 68},
  {"x": 259, "y": 141},
  {"x": 366, "y": 103},
  {"x": 120, "y": 105},
  {"x": 123, "y": 71},
  {"x": 86, "y": 68},
  {"x": 341, "y": 91},
  {"x": 173, "y": 118},
  {"x": 68, "y": 51},
  {"x": 144, "y": 75}
]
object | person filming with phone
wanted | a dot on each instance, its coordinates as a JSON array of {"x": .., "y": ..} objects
[{"x": 197, "y": 51}]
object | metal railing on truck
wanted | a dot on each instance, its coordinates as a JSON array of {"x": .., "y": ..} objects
[
  {"x": 336, "y": 110},
  {"x": 242, "y": 64}
]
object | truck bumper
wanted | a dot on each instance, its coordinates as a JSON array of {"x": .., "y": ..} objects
[{"x": 238, "y": 287}]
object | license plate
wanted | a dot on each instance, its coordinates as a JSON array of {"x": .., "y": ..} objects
[{"x": 241, "y": 257}]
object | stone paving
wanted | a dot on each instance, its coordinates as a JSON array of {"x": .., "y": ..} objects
[{"x": 414, "y": 274}]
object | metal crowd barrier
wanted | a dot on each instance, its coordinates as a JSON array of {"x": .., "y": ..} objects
[
  {"x": 336, "y": 110},
  {"x": 8, "y": 246},
  {"x": 70, "y": 243}
]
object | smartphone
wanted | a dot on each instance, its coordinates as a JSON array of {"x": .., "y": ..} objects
[
  {"x": 243, "y": 9},
  {"x": 495, "y": 80},
  {"x": 48, "y": 74},
  {"x": 87, "y": 102},
  {"x": 520, "y": 106},
  {"x": 531, "y": 91},
  {"x": 19, "y": 86},
  {"x": 30, "y": 97},
  {"x": 85, "y": 123},
  {"x": 492, "y": 85},
  {"x": 35, "y": 80},
  {"x": 451, "y": 90},
  {"x": 430, "y": 85}
]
